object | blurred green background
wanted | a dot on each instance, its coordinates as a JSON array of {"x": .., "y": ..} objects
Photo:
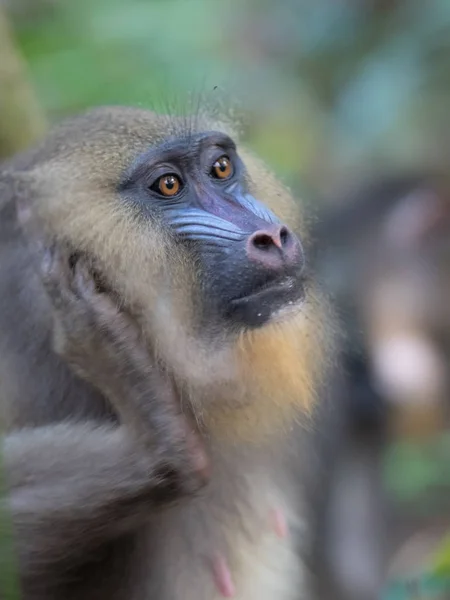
[{"x": 332, "y": 88}]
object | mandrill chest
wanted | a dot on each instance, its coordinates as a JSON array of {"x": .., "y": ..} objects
[{"x": 241, "y": 543}]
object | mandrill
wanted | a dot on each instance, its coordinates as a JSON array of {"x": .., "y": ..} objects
[{"x": 162, "y": 351}]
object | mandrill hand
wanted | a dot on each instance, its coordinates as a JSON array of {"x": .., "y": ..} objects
[{"x": 104, "y": 346}]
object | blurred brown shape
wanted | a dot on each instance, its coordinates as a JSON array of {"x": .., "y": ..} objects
[
  {"x": 384, "y": 255},
  {"x": 21, "y": 119}
]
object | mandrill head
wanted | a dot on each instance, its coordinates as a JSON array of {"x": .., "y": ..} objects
[{"x": 204, "y": 246}]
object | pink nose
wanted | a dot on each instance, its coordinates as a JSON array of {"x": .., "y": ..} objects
[{"x": 274, "y": 247}]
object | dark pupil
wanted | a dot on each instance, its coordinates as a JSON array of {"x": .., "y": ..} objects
[
  {"x": 170, "y": 183},
  {"x": 223, "y": 164}
]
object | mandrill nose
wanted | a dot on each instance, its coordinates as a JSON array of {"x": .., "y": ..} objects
[{"x": 274, "y": 248}]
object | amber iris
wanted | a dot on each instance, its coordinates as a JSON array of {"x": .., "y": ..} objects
[
  {"x": 169, "y": 185},
  {"x": 222, "y": 168}
]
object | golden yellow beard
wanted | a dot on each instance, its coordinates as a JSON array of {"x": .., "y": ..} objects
[{"x": 277, "y": 371}]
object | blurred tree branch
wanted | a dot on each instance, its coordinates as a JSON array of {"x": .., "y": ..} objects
[{"x": 21, "y": 118}]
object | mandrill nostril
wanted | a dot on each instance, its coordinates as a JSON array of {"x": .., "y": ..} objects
[
  {"x": 284, "y": 236},
  {"x": 262, "y": 241}
]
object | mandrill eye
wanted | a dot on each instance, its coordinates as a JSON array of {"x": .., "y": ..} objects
[
  {"x": 222, "y": 168},
  {"x": 167, "y": 185}
]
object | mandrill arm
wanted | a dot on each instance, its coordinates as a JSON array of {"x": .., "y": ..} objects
[{"x": 75, "y": 486}]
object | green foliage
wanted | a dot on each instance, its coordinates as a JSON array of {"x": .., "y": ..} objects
[
  {"x": 331, "y": 86},
  {"x": 118, "y": 52},
  {"x": 418, "y": 473},
  {"x": 427, "y": 587},
  {"x": 9, "y": 579},
  {"x": 441, "y": 562}
]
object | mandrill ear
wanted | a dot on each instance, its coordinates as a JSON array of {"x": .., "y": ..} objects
[
  {"x": 19, "y": 189},
  {"x": 29, "y": 190},
  {"x": 22, "y": 190}
]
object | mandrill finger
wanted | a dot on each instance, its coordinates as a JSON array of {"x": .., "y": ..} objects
[
  {"x": 54, "y": 275},
  {"x": 83, "y": 281}
]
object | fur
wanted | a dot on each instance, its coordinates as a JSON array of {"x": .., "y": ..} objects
[{"x": 250, "y": 392}]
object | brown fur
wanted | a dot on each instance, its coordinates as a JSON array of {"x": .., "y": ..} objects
[
  {"x": 248, "y": 391},
  {"x": 264, "y": 374}
]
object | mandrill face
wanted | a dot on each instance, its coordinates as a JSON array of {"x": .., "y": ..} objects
[{"x": 249, "y": 263}]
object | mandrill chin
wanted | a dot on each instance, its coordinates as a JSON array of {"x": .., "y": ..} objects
[{"x": 162, "y": 350}]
